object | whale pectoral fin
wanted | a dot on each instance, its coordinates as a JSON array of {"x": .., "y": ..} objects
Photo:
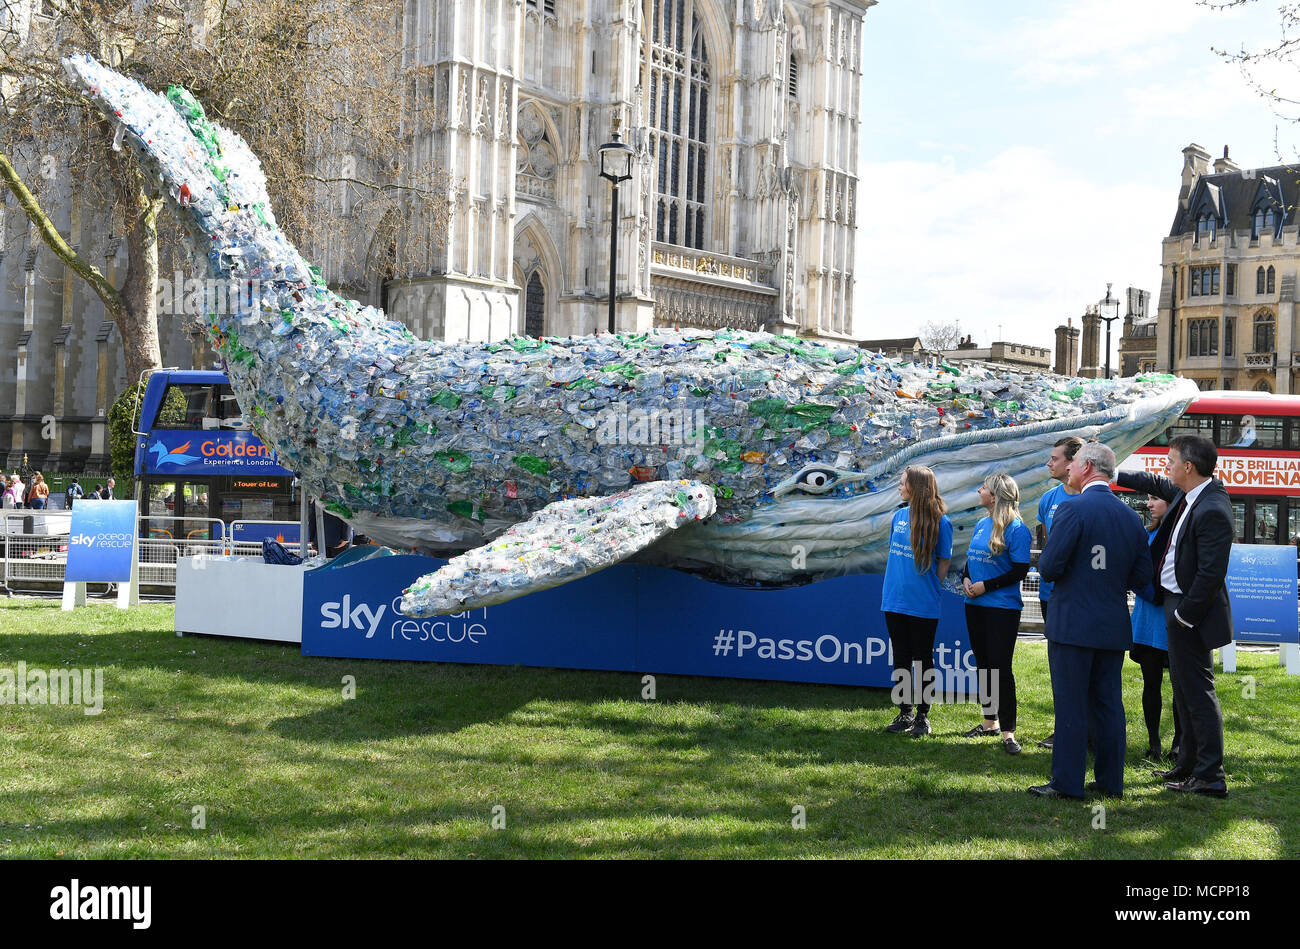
[{"x": 566, "y": 540}]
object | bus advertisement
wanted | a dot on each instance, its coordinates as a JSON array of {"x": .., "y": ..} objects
[
  {"x": 1258, "y": 438},
  {"x": 202, "y": 465}
]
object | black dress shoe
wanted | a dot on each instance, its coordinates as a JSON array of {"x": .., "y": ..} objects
[
  {"x": 1094, "y": 788},
  {"x": 1046, "y": 790},
  {"x": 1198, "y": 786},
  {"x": 1172, "y": 774}
]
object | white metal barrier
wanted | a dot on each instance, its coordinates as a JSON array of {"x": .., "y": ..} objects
[
  {"x": 34, "y": 546},
  {"x": 165, "y": 537}
]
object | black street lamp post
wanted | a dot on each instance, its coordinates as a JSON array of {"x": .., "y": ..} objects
[
  {"x": 616, "y": 167},
  {"x": 1108, "y": 302}
]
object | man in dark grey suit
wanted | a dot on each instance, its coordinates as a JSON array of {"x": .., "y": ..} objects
[
  {"x": 1190, "y": 553},
  {"x": 1096, "y": 553}
]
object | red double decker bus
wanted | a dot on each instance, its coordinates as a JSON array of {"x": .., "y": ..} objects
[{"x": 1258, "y": 437}]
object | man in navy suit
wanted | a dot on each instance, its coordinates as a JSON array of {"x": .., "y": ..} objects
[
  {"x": 1191, "y": 552},
  {"x": 1096, "y": 553}
]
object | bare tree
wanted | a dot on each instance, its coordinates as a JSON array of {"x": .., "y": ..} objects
[
  {"x": 316, "y": 87},
  {"x": 939, "y": 335}
]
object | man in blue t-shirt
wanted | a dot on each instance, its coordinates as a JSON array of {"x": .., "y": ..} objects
[{"x": 1058, "y": 466}]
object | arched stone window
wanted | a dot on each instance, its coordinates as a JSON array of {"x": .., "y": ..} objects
[
  {"x": 540, "y": 41},
  {"x": 1265, "y": 332},
  {"x": 537, "y": 157},
  {"x": 1259, "y": 282},
  {"x": 535, "y": 307},
  {"x": 1265, "y": 220},
  {"x": 1272, "y": 274},
  {"x": 1263, "y": 386},
  {"x": 681, "y": 119}
]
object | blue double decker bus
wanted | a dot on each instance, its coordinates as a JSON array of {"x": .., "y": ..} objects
[{"x": 200, "y": 464}]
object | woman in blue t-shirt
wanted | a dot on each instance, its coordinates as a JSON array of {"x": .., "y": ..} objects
[
  {"x": 1150, "y": 648},
  {"x": 997, "y": 561},
  {"x": 920, "y": 549}
]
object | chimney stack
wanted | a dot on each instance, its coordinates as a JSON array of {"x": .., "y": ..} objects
[
  {"x": 1067, "y": 349},
  {"x": 1196, "y": 162},
  {"x": 1225, "y": 163}
]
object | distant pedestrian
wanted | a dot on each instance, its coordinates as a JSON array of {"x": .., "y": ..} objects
[
  {"x": 98, "y": 493},
  {"x": 997, "y": 560},
  {"x": 39, "y": 493},
  {"x": 920, "y": 550},
  {"x": 10, "y": 497},
  {"x": 72, "y": 493},
  {"x": 107, "y": 494}
]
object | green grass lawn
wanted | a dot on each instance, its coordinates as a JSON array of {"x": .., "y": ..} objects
[{"x": 413, "y": 766}]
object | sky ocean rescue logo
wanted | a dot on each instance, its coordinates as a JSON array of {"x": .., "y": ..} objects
[{"x": 452, "y": 628}]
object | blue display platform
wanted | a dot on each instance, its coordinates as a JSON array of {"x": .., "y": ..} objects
[{"x": 630, "y": 618}]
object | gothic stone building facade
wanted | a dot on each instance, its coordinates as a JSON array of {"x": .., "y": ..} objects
[
  {"x": 745, "y": 120},
  {"x": 1227, "y": 315}
]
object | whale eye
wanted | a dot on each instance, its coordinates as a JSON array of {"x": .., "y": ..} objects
[{"x": 817, "y": 480}]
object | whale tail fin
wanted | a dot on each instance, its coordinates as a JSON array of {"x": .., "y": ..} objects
[
  {"x": 566, "y": 540},
  {"x": 208, "y": 170}
]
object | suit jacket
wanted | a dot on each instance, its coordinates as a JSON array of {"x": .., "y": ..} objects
[
  {"x": 1201, "y": 560},
  {"x": 1097, "y": 552}
]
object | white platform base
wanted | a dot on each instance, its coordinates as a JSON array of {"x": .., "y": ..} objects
[{"x": 239, "y": 597}]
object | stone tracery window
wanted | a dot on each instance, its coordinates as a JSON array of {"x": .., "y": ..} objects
[
  {"x": 537, "y": 159},
  {"x": 680, "y": 89}
]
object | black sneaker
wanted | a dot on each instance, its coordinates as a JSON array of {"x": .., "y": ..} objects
[
  {"x": 900, "y": 724},
  {"x": 1047, "y": 742},
  {"x": 920, "y": 728}
]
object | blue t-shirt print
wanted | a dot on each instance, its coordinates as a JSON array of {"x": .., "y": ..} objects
[
  {"x": 982, "y": 565},
  {"x": 905, "y": 590}
]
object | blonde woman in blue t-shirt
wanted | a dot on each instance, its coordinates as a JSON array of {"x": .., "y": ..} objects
[
  {"x": 920, "y": 550},
  {"x": 997, "y": 560}
]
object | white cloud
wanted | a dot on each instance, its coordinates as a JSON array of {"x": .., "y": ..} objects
[
  {"x": 1101, "y": 38},
  {"x": 1018, "y": 241}
]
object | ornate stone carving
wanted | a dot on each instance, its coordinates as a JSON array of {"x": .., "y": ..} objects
[
  {"x": 462, "y": 102},
  {"x": 531, "y": 128},
  {"x": 483, "y": 116},
  {"x": 679, "y": 304},
  {"x": 503, "y": 111}
]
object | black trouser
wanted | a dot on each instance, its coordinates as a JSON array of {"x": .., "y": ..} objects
[
  {"x": 912, "y": 640},
  {"x": 993, "y": 632},
  {"x": 1153, "y": 677},
  {"x": 1191, "y": 671}
]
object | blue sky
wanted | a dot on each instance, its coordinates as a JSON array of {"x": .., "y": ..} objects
[{"x": 1019, "y": 154}]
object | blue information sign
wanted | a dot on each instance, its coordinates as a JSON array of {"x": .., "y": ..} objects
[
  {"x": 631, "y": 618},
  {"x": 208, "y": 453},
  {"x": 101, "y": 541},
  {"x": 1262, "y": 590},
  {"x": 258, "y": 531}
]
